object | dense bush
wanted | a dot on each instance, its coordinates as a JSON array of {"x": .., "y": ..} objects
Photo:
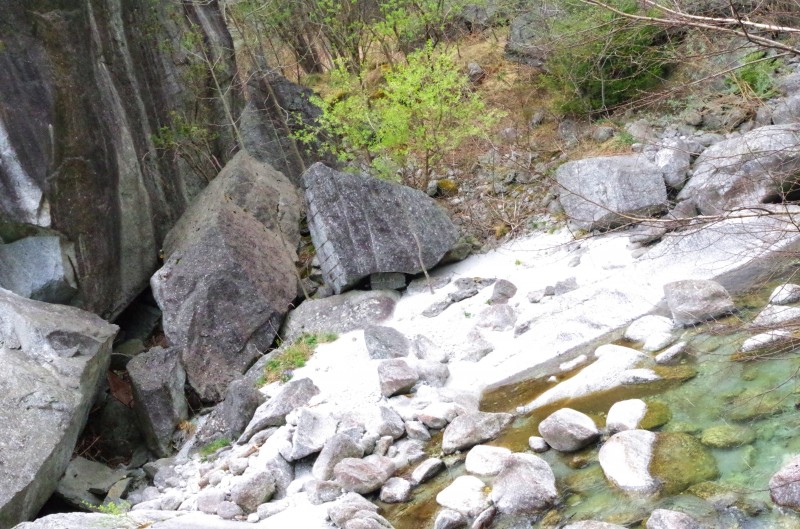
[{"x": 599, "y": 59}]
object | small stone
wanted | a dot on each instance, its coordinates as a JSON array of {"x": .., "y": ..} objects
[
  {"x": 450, "y": 519},
  {"x": 385, "y": 342},
  {"x": 473, "y": 428},
  {"x": 785, "y": 294},
  {"x": 538, "y": 444},
  {"x": 417, "y": 430},
  {"x": 396, "y": 376},
  {"x": 727, "y": 436},
  {"x": 665, "y": 519},
  {"x": 568, "y": 430},
  {"x": 671, "y": 355},
  {"x": 466, "y": 495},
  {"x": 252, "y": 490},
  {"x": 485, "y": 460},
  {"x": 426, "y": 470},
  {"x": 396, "y": 490},
  {"x": 227, "y": 510}
]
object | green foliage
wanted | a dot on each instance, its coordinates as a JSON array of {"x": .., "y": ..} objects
[
  {"x": 422, "y": 110},
  {"x": 601, "y": 60},
  {"x": 755, "y": 77},
  {"x": 293, "y": 356},
  {"x": 111, "y": 508},
  {"x": 193, "y": 143},
  {"x": 213, "y": 446}
]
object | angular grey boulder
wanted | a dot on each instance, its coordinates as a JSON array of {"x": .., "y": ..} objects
[
  {"x": 230, "y": 417},
  {"x": 340, "y": 314},
  {"x": 697, "y": 300},
  {"x": 385, "y": 342},
  {"x": 600, "y": 193},
  {"x": 294, "y": 394},
  {"x": 747, "y": 170},
  {"x": 54, "y": 361},
  {"x": 361, "y": 226},
  {"x": 157, "y": 378},
  {"x": 473, "y": 428},
  {"x": 338, "y": 447},
  {"x": 396, "y": 377},
  {"x": 363, "y": 475},
  {"x": 229, "y": 276},
  {"x": 39, "y": 268}
]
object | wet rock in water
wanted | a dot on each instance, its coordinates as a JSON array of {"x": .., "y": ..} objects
[
  {"x": 485, "y": 460},
  {"x": 785, "y": 294},
  {"x": 473, "y": 428},
  {"x": 784, "y": 486},
  {"x": 591, "y": 524},
  {"x": 672, "y": 355},
  {"x": 625, "y": 459},
  {"x": 337, "y": 448},
  {"x": 538, "y": 444},
  {"x": 761, "y": 342},
  {"x": 363, "y": 475},
  {"x": 396, "y": 377},
  {"x": 340, "y": 314},
  {"x": 568, "y": 430},
  {"x": 385, "y": 342},
  {"x": 655, "y": 332},
  {"x": 426, "y": 470},
  {"x": 666, "y": 519},
  {"x": 727, "y": 436},
  {"x": 157, "y": 379},
  {"x": 776, "y": 315},
  {"x": 680, "y": 460},
  {"x": 361, "y": 226},
  {"x": 395, "y": 490},
  {"x": 635, "y": 413},
  {"x": 449, "y": 519},
  {"x": 697, "y": 300},
  {"x": 294, "y": 394},
  {"x": 525, "y": 486},
  {"x": 466, "y": 495}
]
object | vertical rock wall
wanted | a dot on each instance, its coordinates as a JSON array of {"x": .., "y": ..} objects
[{"x": 87, "y": 90}]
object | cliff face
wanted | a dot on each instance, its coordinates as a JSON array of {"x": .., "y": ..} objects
[{"x": 93, "y": 93}]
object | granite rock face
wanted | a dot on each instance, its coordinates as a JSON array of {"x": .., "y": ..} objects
[
  {"x": 40, "y": 268},
  {"x": 228, "y": 276},
  {"x": 361, "y": 226},
  {"x": 600, "y": 193},
  {"x": 54, "y": 360}
]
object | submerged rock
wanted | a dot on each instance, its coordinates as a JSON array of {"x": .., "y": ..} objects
[
  {"x": 727, "y": 436},
  {"x": 666, "y": 519}
]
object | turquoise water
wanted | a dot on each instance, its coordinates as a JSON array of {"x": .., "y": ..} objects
[{"x": 761, "y": 395}]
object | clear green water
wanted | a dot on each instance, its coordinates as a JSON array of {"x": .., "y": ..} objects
[{"x": 762, "y": 395}]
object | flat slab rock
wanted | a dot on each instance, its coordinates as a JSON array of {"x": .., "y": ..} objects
[
  {"x": 361, "y": 226},
  {"x": 54, "y": 360},
  {"x": 473, "y": 428}
]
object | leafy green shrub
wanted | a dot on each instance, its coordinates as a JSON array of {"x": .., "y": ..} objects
[
  {"x": 292, "y": 357},
  {"x": 423, "y": 109},
  {"x": 755, "y": 77},
  {"x": 600, "y": 59}
]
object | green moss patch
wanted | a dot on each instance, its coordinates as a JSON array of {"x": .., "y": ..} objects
[{"x": 680, "y": 460}]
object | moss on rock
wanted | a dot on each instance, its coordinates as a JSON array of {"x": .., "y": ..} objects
[
  {"x": 680, "y": 460},
  {"x": 657, "y": 414},
  {"x": 727, "y": 436}
]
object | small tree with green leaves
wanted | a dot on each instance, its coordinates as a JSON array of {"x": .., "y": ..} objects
[{"x": 422, "y": 110}]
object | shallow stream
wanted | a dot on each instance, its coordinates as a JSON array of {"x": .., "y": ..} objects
[{"x": 761, "y": 395}]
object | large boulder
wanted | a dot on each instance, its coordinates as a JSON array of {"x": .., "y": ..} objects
[
  {"x": 697, "y": 300},
  {"x": 362, "y": 226},
  {"x": 525, "y": 486},
  {"x": 157, "y": 379},
  {"x": 604, "y": 192},
  {"x": 340, "y": 314},
  {"x": 754, "y": 168},
  {"x": 39, "y": 268},
  {"x": 229, "y": 274},
  {"x": 54, "y": 361}
]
